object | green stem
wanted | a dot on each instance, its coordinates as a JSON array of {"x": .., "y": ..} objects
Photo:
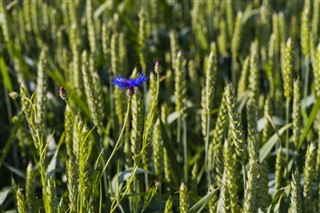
[
  {"x": 233, "y": 72},
  {"x": 207, "y": 148},
  {"x": 178, "y": 130},
  {"x": 306, "y": 77},
  {"x": 287, "y": 132},
  {"x": 118, "y": 143},
  {"x": 185, "y": 150}
]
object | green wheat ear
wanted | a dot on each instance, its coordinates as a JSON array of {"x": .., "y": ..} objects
[
  {"x": 41, "y": 101},
  {"x": 296, "y": 113},
  {"x": 296, "y": 194},
  {"x": 309, "y": 175},
  {"x": 90, "y": 26},
  {"x": 21, "y": 203},
  {"x": 243, "y": 81},
  {"x": 180, "y": 86},
  {"x": 230, "y": 194},
  {"x": 263, "y": 188},
  {"x": 30, "y": 189},
  {"x": 157, "y": 150},
  {"x": 279, "y": 169},
  {"x": 304, "y": 30},
  {"x": 235, "y": 128},
  {"x": 183, "y": 200},
  {"x": 254, "y": 73},
  {"x": 216, "y": 156},
  {"x": 251, "y": 191},
  {"x": 137, "y": 112},
  {"x": 288, "y": 70},
  {"x": 236, "y": 37},
  {"x": 222, "y": 39},
  {"x": 169, "y": 206},
  {"x": 93, "y": 92}
]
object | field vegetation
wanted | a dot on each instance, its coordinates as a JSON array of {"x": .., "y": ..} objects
[{"x": 159, "y": 106}]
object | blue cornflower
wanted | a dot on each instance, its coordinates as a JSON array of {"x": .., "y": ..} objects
[{"x": 129, "y": 83}]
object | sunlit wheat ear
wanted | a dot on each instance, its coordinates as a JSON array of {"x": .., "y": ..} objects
[
  {"x": 41, "y": 103},
  {"x": 114, "y": 49},
  {"x": 72, "y": 185},
  {"x": 68, "y": 125},
  {"x": 296, "y": 113},
  {"x": 83, "y": 141},
  {"x": 309, "y": 175},
  {"x": 263, "y": 187},
  {"x": 194, "y": 176},
  {"x": 229, "y": 14},
  {"x": 30, "y": 189},
  {"x": 265, "y": 15},
  {"x": 90, "y": 26},
  {"x": 93, "y": 92},
  {"x": 173, "y": 48},
  {"x": 296, "y": 204},
  {"x": 183, "y": 198},
  {"x": 149, "y": 123},
  {"x": 213, "y": 204},
  {"x": 251, "y": 191},
  {"x": 235, "y": 128},
  {"x": 142, "y": 39},
  {"x": 211, "y": 75},
  {"x": 243, "y": 81},
  {"x": 271, "y": 63},
  {"x": 180, "y": 88},
  {"x": 167, "y": 166},
  {"x": 222, "y": 39},
  {"x": 315, "y": 19},
  {"x": 254, "y": 73},
  {"x": 51, "y": 194},
  {"x": 216, "y": 158},
  {"x": 282, "y": 27},
  {"x": 169, "y": 206},
  {"x": 26, "y": 13},
  {"x": 279, "y": 169},
  {"x": 122, "y": 57},
  {"x": 137, "y": 112},
  {"x": 305, "y": 30},
  {"x": 75, "y": 74},
  {"x": 193, "y": 76},
  {"x": 34, "y": 18},
  {"x": 21, "y": 203},
  {"x": 236, "y": 37},
  {"x": 275, "y": 32},
  {"x": 267, "y": 130},
  {"x": 157, "y": 150},
  {"x": 203, "y": 114},
  {"x": 287, "y": 74},
  {"x": 231, "y": 187}
]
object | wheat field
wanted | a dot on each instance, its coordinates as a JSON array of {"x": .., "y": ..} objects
[{"x": 159, "y": 106}]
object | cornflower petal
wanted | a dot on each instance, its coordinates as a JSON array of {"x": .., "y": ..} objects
[
  {"x": 121, "y": 82},
  {"x": 129, "y": 83}
]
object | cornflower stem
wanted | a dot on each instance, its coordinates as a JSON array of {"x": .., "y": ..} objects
[
  {"x": 118, "y": 143},
  {"x": 111, "y": 93},
  {"x": 145, "y": 144},
  {"x": 287, "y": 132},
  {"x": 185, "y": 150},
  {"x": 207, "y": 148}
]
